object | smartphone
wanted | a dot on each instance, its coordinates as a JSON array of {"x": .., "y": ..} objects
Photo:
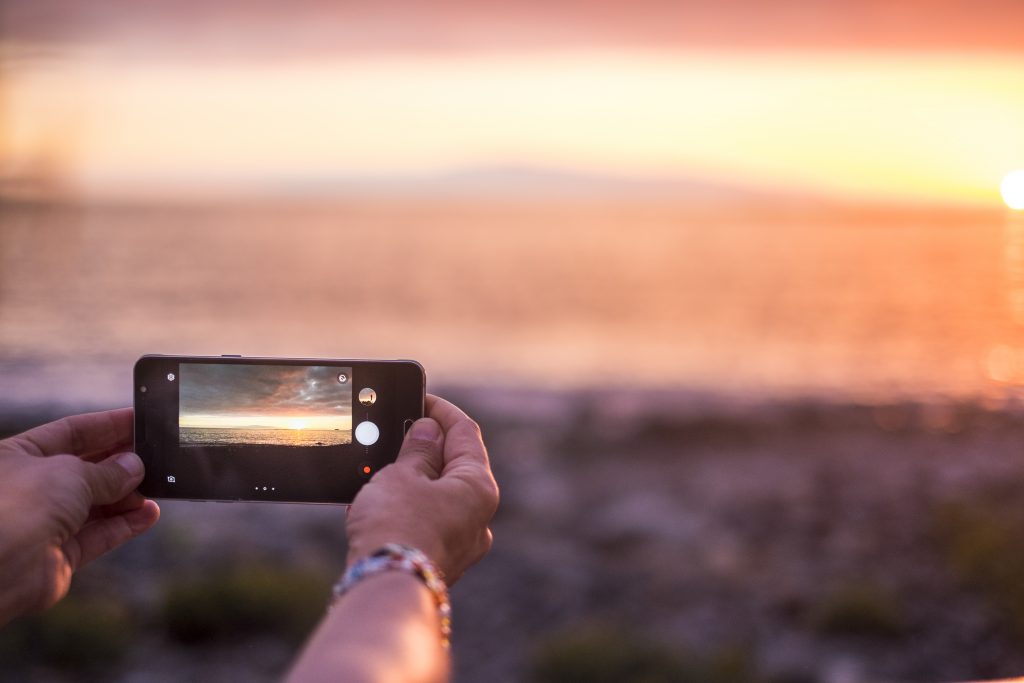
[{"x": 228, "y": 428}]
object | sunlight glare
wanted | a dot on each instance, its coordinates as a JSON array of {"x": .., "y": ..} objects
[
  {"x": 1012, "y": 189},
  {"x": 297, "y": 424}
]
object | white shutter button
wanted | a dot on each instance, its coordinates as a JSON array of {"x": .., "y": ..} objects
[{"x": 367, "y": 433}]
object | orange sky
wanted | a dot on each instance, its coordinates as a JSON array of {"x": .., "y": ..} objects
[
  {"x": 893, "y": 125},
  {"x": 918, "y": 101}
]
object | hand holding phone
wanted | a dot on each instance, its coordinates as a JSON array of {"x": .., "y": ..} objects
[
  {"x": 270, "y": 429},
  {"x": 443, "y": 467}
]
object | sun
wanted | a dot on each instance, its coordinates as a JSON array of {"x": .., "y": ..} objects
[
  {"x": 1012, "y": 189},
  {"x": 296, "y": 423}
]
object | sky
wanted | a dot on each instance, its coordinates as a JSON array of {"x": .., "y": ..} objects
[
  {"x": 271, "y": 396},
  {"x": 862, "y": 100}
]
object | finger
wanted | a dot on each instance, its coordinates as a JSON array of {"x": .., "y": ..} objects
[
  {"x": 112, "y": 479},
  {"x": 462, "y": 439},
  {"x": 423, "y": 448},
  {"x": 91, "y": 436},
  {"x": 464, "y": 445},
  {"x": 465, "y": 456},
  {"x": 446, "y": 413},
  {"x": 133, "y": 501},
  {"x": 103, "y": 535}
]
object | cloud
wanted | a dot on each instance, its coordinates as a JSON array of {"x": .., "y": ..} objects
[{"x": 237, "y": 389}]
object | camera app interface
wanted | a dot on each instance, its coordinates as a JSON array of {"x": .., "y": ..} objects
[{"x": 264, "y": 405}]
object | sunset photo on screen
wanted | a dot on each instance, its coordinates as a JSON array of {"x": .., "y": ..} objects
[{"x": 264, "y": 405}]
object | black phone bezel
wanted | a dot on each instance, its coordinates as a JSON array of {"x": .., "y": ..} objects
[{"x": 317, "y": 474}]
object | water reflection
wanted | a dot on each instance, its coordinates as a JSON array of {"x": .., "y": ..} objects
[
  {"x": 737, "y": 299},
  {"x": 1005, "y": 361}
]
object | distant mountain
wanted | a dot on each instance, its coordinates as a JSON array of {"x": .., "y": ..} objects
[{"x": 518, "y": 182}]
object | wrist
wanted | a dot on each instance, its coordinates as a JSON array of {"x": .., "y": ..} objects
[
  {"x": 393, "y": 558},
  {"x": 358, "y": 550}
]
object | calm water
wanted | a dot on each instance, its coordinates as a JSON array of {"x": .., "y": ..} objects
[
  {"x": 207, "y": 436},
  {"x": 738, "y": 300}
]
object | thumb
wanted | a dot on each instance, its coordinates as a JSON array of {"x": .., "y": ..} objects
[
  {"x": 422, "y": 448},
  {"x": 112, "y": 479}
]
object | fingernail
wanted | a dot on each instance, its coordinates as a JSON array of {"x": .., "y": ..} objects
[
  {"x": 131, "y": 463},
  {"x": 425, "y": 430}
]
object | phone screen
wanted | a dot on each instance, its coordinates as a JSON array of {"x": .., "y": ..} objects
[
  {"x": 273, "y": 406},
  {"x": 213, "y": 428}
]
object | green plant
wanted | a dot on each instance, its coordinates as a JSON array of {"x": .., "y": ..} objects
[
  {"x": 79, "y": 634},
  {"x": 607, "y": 655},
  {"x": 241, "y": 601},
  {"x": 859, "y": 609},
  {"x": 982, "y": 542}
]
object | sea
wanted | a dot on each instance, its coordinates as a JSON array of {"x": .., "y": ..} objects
[
  {"x": 211, "y": 436},
  {"x": 741, "y": 298}
]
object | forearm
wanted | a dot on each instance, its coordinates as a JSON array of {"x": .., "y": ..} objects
[{"x": 385, "y": 629}]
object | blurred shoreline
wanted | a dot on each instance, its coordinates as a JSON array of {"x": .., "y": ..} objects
[{"x": 784, "y": 540}]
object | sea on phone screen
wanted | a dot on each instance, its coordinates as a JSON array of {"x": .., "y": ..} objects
[{"x": 204, "y": 436}]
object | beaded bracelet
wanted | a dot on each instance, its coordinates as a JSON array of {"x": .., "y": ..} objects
[{"x": 403, "y": 558}]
